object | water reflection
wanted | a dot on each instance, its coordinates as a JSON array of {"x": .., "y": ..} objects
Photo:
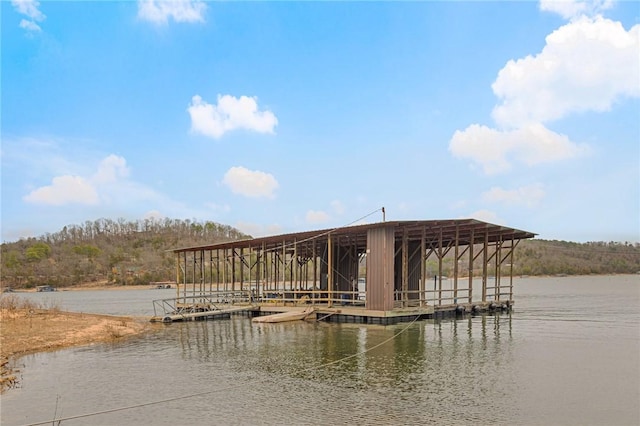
[
  {"x": 555, "y": 360},
  {"x": 421, "y": 365}
]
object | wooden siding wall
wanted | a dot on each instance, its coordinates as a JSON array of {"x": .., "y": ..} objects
[{"x": 380, "y": 268}]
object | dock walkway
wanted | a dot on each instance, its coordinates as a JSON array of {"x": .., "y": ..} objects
[
  {"x": 268, "y": 312},
  {"x": 202, "y": 314}
]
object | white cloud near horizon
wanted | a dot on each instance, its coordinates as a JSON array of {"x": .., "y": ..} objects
[
  {"x": 108, "y": 186},
  {"x": 256, "y": 230},
  {"x": 573, "y": 8},
  {"x": 230, "y": 113},
  {"x": 160, "y": 11},
  {"x": 76, "y": 182},
  {"x": 74, "y": 189},
  {"x": 588, "y": 64},
  {"x": 29, "y": 8},
  {"x": 250, "y": 183},
  {"x": 528, "y": 196},
  {"x": 64, "y": 190},
  {"x": 495, "y": 150}
]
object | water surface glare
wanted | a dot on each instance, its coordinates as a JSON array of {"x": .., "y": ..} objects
[{"x": 569, "y": 354}]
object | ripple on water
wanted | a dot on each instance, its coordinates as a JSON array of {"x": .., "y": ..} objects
[{"x": 540, "y": 365}]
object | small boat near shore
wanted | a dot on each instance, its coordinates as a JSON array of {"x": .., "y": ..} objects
[{"x": 160, "y": 285}]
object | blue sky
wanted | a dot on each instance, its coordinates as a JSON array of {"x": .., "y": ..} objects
[{"x": 277, "y": 117}]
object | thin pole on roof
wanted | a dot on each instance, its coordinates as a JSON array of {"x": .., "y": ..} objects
[{"x": 383, "y": 215}]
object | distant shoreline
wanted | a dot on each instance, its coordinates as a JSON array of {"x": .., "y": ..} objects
[{"x": 109, "y": 287}]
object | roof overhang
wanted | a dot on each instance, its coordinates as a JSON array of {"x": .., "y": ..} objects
[{"x": 445, "y": 232}]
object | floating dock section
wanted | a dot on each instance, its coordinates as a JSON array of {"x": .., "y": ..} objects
[
  {"x": 202, "y": 306},
  {"x": 293, "y": 315},
  {"x": 383, "y": 273}
]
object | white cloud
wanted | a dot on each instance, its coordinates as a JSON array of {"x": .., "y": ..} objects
[
  {"x": 250, "y": 183},
  {"x": 572, "y": 8},
  {"x": 528, "y": 196},
  {"x": 74, "y": 189},
  {"x": 111, "y": 169},
  {"x": 159, "y": 11},
  {"x": 494, "y": 150},
  {"x": 256, "y": 230},
  {"x": 64, "y": 190},
  {"x": 29, "y": 8},
  {"x": 316, "y": 216},
  {"x": 486, "y": 216},
  {"x": 83, "y": 186},
  {"x": 29, "y": 25},
  {"x": 229, "y": 114},
  {"x": 586, "y": 65}
]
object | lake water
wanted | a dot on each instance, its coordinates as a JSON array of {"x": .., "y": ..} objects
[{"x": 569, "y": 354}]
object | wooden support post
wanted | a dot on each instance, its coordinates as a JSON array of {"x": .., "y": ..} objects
[
  {"x": 405, "y": 268},
  {"x": 497, "y": 290},
  {"x": 260, "y": 269},
  {"x": 440, "y": 267},
  {"x": 423, "y": 268},
  {"x": 225, "y": 275},
  {"x": 275, "y": 257},
  {"x": 471, "y": 244},
  {"x": 177, "y": 274},
  {"x": 242, "y": 268},
  {"x": 210, "y": 270},
  {"x": 455, "y": 269},
  {"x": 484, "y": 265},
  {"x": 202, "y": 271},
  {"x": 193, "y": 274},
  {"x": 294, "y": 266},
  {"x": 330, "y": 271},
  {"x": 315, "y": 270},
  {"x": 284, "y": 267},
  {"x": 233, "y": 269}
]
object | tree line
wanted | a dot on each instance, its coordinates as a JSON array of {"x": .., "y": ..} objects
[
  {"x": 138, "y": 252},
  {"x": 554, "y": 257},
  {"x": 107, "y": 251}
]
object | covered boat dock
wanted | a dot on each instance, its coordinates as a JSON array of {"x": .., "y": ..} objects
[{"x": 383, "y": 272}]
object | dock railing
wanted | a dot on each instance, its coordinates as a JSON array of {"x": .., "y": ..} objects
[
  {"x": 208, "y": 302},
  {"x": 313, "y": 297}
]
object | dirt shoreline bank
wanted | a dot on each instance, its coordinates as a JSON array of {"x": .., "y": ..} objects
[{"x": 26, "y": 329}]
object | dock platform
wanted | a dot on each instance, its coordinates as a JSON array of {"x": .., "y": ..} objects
[{"x": 177, "y": 310}]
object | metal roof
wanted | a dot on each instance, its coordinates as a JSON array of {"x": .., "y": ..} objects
[{"x": 357, "y": 234}]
